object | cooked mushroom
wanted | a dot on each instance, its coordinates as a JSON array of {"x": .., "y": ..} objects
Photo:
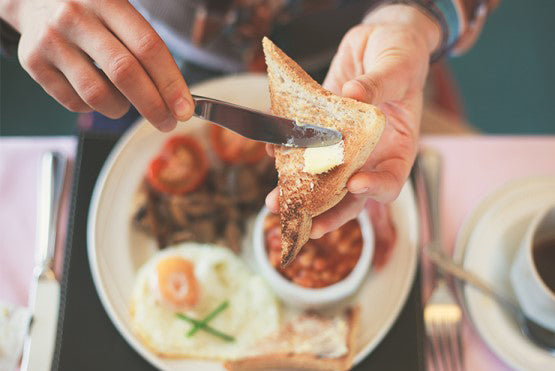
[
  {"x": 215, "y": 212},
  {"x": 204, "y": 230}
]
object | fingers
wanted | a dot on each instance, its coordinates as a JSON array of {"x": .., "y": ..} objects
[
  {"x": 85, "y": 31},
  {"x": 272, "y": 201},
  {"x": 70, "y": 37},
  {"x": 149, "y": 49},
  {"x": 348, "y": 208},
  {"x": 341, "y": 68},
  {"x": 51, "y": 79},
  {"x": 382, "y": 186},
  {"x": 379, "y": 85},
  {"x": 377, "y": 64},
  {"x": 57, "y": 86},
  {"x": 91, "y": 86}
]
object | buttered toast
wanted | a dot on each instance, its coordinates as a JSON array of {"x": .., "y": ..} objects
[
  {"x": 312, "y": 181},
  {"x": 310, "y": 342}
]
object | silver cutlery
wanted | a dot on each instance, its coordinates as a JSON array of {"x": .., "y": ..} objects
[
  {"x": 442, "y": 313},
  {"x": 262, "y": 126},
  {"x": 45, "y": 289},
  {"x": 534, "y": 331}
]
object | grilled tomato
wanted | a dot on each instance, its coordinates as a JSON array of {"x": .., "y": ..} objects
[{"x": 180, "y": 167}]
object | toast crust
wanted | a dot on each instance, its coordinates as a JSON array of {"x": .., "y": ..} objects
[
  {"x": 294, "y": 94},
  {"x": 305, "y": 361}
]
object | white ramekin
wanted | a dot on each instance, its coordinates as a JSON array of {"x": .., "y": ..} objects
[{"x": 305, "y": 298}]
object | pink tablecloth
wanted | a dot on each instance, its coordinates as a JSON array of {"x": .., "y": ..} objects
[
  {"x": 473, "y": 168},
  {"x": 19, "y": 164}
]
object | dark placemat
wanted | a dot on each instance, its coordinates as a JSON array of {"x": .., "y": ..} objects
[{"x": 87, "y": 339}]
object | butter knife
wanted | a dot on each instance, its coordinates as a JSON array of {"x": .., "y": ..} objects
[
  {"x": 45, "y": 289},
  {"x": 263, "y": 127}
]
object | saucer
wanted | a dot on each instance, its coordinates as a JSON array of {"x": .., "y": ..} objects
[{"x": 486, "y": 245}]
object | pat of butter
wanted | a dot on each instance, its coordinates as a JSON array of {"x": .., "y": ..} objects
[{"x": 318, "y": 160}]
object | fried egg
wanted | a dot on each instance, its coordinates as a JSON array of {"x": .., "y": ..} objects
[{"x": 194, "y": 279}]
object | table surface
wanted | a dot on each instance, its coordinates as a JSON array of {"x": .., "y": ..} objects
[{"x": 474, "y": 167}]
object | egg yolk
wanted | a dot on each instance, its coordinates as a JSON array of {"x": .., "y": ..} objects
[{"x": 177, "y": 283}]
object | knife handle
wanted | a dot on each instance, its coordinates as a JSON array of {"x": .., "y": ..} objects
[{"x": 51, "y": 180}]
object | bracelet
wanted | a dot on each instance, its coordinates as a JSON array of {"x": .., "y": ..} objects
[{"x": 474, "y": 22}]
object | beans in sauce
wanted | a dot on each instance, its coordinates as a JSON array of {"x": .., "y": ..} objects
[{"x": 320, "y": 262}]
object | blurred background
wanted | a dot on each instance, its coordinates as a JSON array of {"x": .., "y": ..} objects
[{"x": 506, "y": 82}]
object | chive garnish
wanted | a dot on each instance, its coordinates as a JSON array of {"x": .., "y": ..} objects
[
  {"x": 208, "y": 318},
  {"x": 206, "y": 328},
  {"x": 203, "y": 324}
]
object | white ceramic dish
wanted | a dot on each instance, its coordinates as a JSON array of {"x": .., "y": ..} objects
[
  {"x": 486, "y": 245},
  {"x": 116, "y": 250},
  {"x": 302, "y": 297}
]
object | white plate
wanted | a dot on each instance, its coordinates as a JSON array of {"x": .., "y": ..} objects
[
  {"x": 486, "y": 245},
  {"x": 116, "y": 251}
]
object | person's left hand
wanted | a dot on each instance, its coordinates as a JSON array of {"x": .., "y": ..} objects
[{"x": 383, "y": 62}]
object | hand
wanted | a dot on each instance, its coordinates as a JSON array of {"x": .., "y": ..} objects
[
  {"x": 383, "y": 61},
  {"x": 62, "y": 40}
]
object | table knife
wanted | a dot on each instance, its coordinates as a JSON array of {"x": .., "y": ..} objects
[
  {"x": 45, "y": 290},
  {"x": 262, "y": 126}
]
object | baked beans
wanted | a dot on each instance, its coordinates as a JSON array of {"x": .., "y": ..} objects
[{"x": 320, "y": 262}]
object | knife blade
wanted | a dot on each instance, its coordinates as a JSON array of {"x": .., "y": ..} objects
[
  {"x": 45, "y": 290},
  {"x": 262, "y": 126}
]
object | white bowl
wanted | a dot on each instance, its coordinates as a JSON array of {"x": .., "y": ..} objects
[{"x": 305, "y": 298}]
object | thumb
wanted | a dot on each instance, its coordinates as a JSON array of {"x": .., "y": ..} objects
[{"x": 383, "y": 83}]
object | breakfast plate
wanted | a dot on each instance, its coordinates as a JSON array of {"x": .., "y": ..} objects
[
  {"x": 117, "y": 250},
  {"x": 486, "y": 245}
]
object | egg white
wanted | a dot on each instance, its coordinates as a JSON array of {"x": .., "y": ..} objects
[{"x": 252, "y": 314}]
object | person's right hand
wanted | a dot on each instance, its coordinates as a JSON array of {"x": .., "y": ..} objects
[{"x": 62, "y": 40}]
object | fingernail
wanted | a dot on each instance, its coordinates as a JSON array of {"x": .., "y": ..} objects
[
  {"x": 315, "y": 234},
  {"x": 360, "y": 190},
  {"x": 271, "y": 204},
  {"x": 268, "y": 202},
  {"x": 181, "y": 107},
  {"x": 168, "y": 124}
]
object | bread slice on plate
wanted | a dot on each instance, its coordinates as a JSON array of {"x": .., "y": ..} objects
[
  {"x": 310, "y": 342},
  {"x": 313, "y": 180}
]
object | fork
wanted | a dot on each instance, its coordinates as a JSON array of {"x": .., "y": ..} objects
[
  {"x": 442, "y": 319},
  {"x": 442, "y": 314}
]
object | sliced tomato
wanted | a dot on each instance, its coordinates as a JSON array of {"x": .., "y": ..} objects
[
  {"x": 235, "y": 149},
  {"x": 180, "y": 167}
]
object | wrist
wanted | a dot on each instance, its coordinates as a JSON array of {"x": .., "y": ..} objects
[{"x": 411, "y": 17}]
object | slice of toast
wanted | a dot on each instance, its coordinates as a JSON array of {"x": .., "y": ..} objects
[
  {"x": 309, "y": 342},
  {"x": 294, "y": 94}
]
